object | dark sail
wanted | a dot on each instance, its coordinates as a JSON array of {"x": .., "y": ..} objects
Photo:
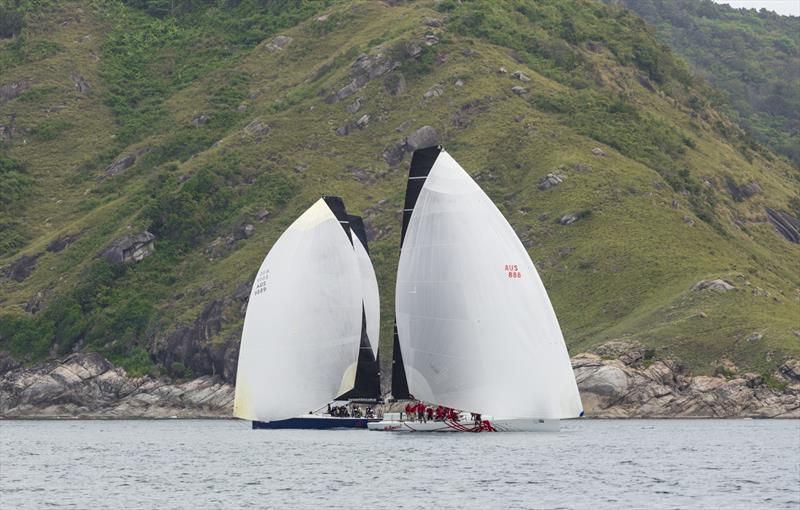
[
  {"x": 357, "y": 227},
  {"x": 336, "y": 205},
  {"x": 421, "y": 163},
  {"x": 368, "y": 382}
]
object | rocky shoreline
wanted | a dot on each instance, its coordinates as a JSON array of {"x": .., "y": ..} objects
[{"x": 617, "y": 380}]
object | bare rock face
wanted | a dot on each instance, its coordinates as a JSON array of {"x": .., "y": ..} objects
[
  {"x": 787, "y": 225},
  {"x": 130, "y": 249},
  {"x": 713, "y": 285},
  {"x": 395, "y": 83},
  {"x": 629, "y": 387},
  {"x": 87, "y": 385},
  {"x": 59, "y": 244},
  {"x": 20, "y": 268}
]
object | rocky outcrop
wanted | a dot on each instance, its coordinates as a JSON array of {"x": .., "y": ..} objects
[
  {"x": 633, "y": 386},
  {"x": 551, "y": 180},
  {"x": 365, "y": 69},
  {"x": 87, "y": 385},
  {"x": 20, "y": 268},
  {"x": 278, "y": 43},
  {"x": 630, "y": 385},
  {"x": 787, "y": 225},
  {"x": 713, "y": 285},
  {"x": 130, "y": 249}
]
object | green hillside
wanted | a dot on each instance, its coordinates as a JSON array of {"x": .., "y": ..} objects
[
  {"x": 752, "y": 56},
  {"x": 213, "y": 124}
]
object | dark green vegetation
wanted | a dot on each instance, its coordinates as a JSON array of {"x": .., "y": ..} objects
[
  {"x": 752, "y": 56},
  {"x": 189, "y": 119}
]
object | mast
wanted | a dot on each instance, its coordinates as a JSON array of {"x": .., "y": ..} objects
[
  {"x": 421, "y": 163},
  {"x": 367, "y": 382}
]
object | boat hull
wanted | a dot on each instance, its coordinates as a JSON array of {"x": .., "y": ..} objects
[
  {"x": 490, "y": 425},
  {"x": 315, "y": 422}
]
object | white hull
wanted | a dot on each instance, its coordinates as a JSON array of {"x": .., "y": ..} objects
[{"x": 488, "y": 425}]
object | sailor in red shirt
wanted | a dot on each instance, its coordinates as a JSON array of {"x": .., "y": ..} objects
[
  {"x": 410, "y": 408},
  {"x": 421, "y": 411},
  {"x": 439, "y": 413}
]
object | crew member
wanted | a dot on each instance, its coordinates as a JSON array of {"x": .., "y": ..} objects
[{"x": 420, "y": 411}]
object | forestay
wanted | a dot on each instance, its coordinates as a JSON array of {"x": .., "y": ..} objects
[
  {"x": 475, "y": 324},
  {"x": 303, "y": 324}
]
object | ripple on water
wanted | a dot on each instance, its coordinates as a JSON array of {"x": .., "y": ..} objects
[{"x": 590, "y": 464}]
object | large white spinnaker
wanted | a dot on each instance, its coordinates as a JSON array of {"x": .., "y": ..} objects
[
  {"x": 474, "y": 321},
  {"x": 303, "y": 325}
]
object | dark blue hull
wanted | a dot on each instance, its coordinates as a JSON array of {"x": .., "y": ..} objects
[{"x": 314, "y": 423}]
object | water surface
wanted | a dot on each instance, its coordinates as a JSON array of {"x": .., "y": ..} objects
[{"x": 590, "y": 464}]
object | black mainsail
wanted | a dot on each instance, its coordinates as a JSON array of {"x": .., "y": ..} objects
[{"x": 421, "y": 163}]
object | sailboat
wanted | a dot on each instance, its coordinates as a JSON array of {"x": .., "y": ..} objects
[
  {"x": 475, "y": 329},
  {"x": 306, "y": 337}
]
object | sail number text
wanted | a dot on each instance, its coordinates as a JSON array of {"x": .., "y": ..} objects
[
  {"x": 261, "y": 283},
  {"x": 512, "y": 271}
]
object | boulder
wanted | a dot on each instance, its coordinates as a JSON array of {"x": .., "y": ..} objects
[
  {"x": 81, "y": 85},
  {"x": 423, "y": 137},
  {"x": 278, "y": 43},
  {"x": 567, "y": 219},
  {"x": 362, "y": 122},
  {"x": 519, "y": 75},
  {"x": 713, "y": 285},
  {"x": 519, "y": 90},
  {"x": 201, "y": 120},
  {"x": 435, "y": 91},
  {"x": 354, "y": 106},
  {"x": 597, "y": 151},
  {"x": 257, "y": 128},
  {"x": 130, "y": 249},
  {"x": 789, "y": 370},
  {"x": 551, "y": 180},
  {"x": 433, "y": 22},
  {"x": 262, "y": 215}
]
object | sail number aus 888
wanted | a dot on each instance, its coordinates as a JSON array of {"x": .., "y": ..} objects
[{"x": 512, "y": 271}]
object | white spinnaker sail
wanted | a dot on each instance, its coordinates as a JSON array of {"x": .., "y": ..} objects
[
  {"x": 475, "y": 324},
  {"x": 303, "y": 326},
  {"x": 369, "y": 285}
]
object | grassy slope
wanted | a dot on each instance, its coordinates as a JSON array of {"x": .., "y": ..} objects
[
  {"x": 623, "y": 272},
  {"x": 754, "y": 57}
]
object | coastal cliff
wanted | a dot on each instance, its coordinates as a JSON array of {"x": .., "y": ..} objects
[{"x": 616, "y": 381}]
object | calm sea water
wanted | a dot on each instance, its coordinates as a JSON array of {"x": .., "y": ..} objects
[{"x": 728, "y": 464}]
